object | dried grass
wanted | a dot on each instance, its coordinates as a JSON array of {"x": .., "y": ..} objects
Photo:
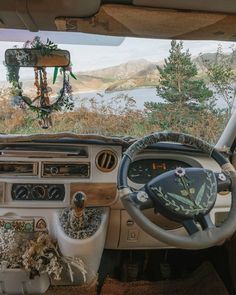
[{"x": 117, "y": 117}]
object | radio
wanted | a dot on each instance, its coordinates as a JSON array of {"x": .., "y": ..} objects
[{"x": 78, "y": 170}]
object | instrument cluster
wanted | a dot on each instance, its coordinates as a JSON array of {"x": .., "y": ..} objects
[{"x": 142, "y": 171}]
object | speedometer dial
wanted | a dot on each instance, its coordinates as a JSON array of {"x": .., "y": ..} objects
[
  {"x": 142, "y": 171},
  {"x": 139, "y": 171}
]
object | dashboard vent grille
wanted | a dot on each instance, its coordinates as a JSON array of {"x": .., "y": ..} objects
[{"x": 106, "y": 161}]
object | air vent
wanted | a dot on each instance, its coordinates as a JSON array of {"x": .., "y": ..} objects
[{"x": 106, "y": 161}]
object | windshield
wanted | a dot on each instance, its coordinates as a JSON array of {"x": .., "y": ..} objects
[{"x": 138, "y": 87}]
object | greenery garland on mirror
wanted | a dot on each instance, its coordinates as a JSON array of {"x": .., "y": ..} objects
[{"x": 41, "y": 103}]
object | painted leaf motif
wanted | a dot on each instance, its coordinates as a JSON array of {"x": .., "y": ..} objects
[
  {"x": 181, "y": 199},
  {"x": 184, "y": 193},
  {"x": 192, "y": 190},
  {"x": 200, "y": 194}
]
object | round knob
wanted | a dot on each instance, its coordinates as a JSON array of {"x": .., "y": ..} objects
[
  {"x": 56, "y": 192},
  {"x": 54, "y": 170},
  {"x": 38, "y": 192},
  {"x": 79, "y": 201},
  {"x": 21, "y": 192}
]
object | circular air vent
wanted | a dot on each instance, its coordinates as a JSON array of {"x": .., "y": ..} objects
[{"x": 106, "y": 161}]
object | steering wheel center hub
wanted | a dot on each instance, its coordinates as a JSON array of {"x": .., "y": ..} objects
[{"x": 183, "y": 193}]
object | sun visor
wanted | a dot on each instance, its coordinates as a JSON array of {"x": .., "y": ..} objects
[
  {"x": 35, "y": 15},
  {"x": 131, "y": 21}
]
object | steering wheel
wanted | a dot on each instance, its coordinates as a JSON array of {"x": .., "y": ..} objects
[{"x": 183, "y": 195}]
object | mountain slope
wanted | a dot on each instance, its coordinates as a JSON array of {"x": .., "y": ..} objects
[
  {"x": 211, "y": 57},
  {"x": 133, "y": 74},
  {"x": 126, "y": 76},
  {"x": 122, "y": 71}
]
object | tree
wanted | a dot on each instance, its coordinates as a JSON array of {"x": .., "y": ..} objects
[
  {"x": 221, "y": 74},
  {"x": 178, "y": 79}
]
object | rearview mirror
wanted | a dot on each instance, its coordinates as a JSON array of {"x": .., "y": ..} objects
[{"x": 36, "y": 58}]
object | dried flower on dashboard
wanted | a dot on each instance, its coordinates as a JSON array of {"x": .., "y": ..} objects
[
  {"x": 37, "y": 253},
  {"x": 41, "y": 255}
]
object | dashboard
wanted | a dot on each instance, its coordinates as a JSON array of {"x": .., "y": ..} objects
[
  {"x": 39, "y": 179},
  {"x": 47, "y": 175}
]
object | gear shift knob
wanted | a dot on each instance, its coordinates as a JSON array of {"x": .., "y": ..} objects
[{"x": 78, "y": 203}]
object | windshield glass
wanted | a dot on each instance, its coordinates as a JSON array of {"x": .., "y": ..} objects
[{"x": 138, "y": 87}]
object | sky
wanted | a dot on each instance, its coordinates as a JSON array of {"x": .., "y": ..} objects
[{"x": 91, "y": 57}]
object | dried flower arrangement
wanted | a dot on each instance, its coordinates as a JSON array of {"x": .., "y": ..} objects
[
  {"x": 41, "y": 103},
  {"x": 37, "y": 253}
]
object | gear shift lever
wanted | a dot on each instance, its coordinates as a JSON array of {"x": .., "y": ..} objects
[
  {"x": 79, "y": 202},
  {"x": 78, "y": 205}
]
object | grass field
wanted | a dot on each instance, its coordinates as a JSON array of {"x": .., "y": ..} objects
[{"x": 107, "y": 119}]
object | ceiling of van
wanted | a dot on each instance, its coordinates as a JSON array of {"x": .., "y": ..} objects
[
  {"x": 225, "y": 6},
  {"x": 123, "y": 20},
  {"x": 180, "y": 19}
]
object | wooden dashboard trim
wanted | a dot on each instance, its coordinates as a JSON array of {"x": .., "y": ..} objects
[{"x": 98, "y": 194}]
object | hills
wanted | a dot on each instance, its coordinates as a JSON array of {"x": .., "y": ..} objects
[
  {"x": 126, "y": 76},
  {"x": 133, "y": 74},
  {"x": 210, "y": 57},
  {"x": 130, "y": 75}
]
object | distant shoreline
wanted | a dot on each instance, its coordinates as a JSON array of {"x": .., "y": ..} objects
[
  {"x": 88, "y": 91},
  {"x": 114, "y": 91},
  {"x": 129, "y": 89}
]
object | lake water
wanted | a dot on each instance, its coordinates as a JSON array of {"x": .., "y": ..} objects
[{"x": 140, "y": 95}]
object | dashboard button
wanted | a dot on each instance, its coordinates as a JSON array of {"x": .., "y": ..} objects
[
  {"x": 129, "y": 222},
  {"x": 54, "y": 170},
  {"x": 132, "y": 235}
]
